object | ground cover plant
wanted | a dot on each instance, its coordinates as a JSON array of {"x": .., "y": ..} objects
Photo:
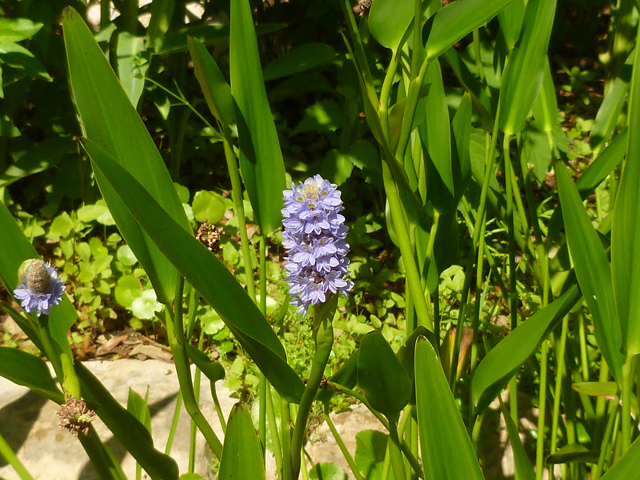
[{"x": 434, "y": 199}]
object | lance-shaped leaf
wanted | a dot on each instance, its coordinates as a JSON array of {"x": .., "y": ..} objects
[
  {"x": 242, "y": 455},
  {"x": 523, "y": 74},
  {"x": 458, "y": 19},
  {"x": 389, "y": 20},
  {"x": 28, "y": 370},
  {"x": 545, "y": 108},
  {"x": 592, "y": 270},
  {"x": 500, "y": 364},
  {"x": 381, "y": 376},
  {"x": 625, "y": 229},
  {"x": 524, "y": 470},
  {"x": 300, "y": 59},
  {"x": 627, "y": 466},
  {"x": 215, "y": 88},
  {"x": 447, "y": 453},
  {"x": 108, "y": 118},
  {"x": 205, "y": 273},
  {"x": 133, "y": 435},
  {"x": 261, "y": 160}
]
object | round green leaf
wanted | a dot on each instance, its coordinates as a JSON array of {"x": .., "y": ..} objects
[
  {"x": 208, "y": 206},
  {"x": 127, "y": 290},
  {"x": 126, "y": 256},
  {"x": 146, "y": 305}
]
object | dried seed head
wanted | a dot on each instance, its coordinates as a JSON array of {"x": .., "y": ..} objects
[
  {"x": 76, "y": 417},
  {"x": 37, "y": 277},
  {"x": 209, "y": 236}
]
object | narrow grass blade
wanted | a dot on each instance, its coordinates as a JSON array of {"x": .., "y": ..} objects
[
  {"x": 500, "y": 364},
  {"x": 30, "y": 371},
  {"x": 132, "y": 434},
  {"x": 455, "y": 21},
  {"x": 524, "y": 469},
  {"x": 523, "y": 74},
  {"x": 108, "y": 118},
  {"x": 545, "y": 108},
  {"x": 299, "y": 60},
  {"x": 206, "y": 274},
  {"x": 447, "y": 453},
  {"x": 625, "y": 229},
  {"x": 261, "y": 160},
  {"x": 592, "y": 270},
  {"x": 242, "y": 455}
]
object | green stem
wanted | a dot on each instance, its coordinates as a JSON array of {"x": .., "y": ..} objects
[
  {"x": 542, "y": 407},
  {"x": 273, "y": 429},
  {"x": 196, "y": 388},
  {"x": 406, "y": 249},
  {"x": 341, "y": 445},
  {"x": 397, "y": 461},
  {"x": 105, "y": 12},
  {"x": 262, "y": 395},
  {"x": 605, "y": 445},
  {"x": 557, "y": 395},
  {"x": 288, "y": 455},
  {"x": 174, "y": 424},
  {"x": 627, "y": 387},
  {"x": 100, "y": 457},
  {"x": 323, "y": 335},
  {"x": 12, "y": 459}
]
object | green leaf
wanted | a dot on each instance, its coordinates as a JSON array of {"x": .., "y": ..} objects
[
  {"x": 299, "y": 60},
  {"x": 215, "y": 88},
  {"x": 18, "y": 57},
  {"x": 511, "y": 22},
  {"x": 25, "y": 369},
  {"x": 627, "y": 466},
  {"x": 455, "y": 21},
  {"x": 573, "y": 453},
  {"x": 524, "y": 72},
  {"x": 625, "y": 228},
  {"x": 545, "y": 108},
  {"x": 139, "y": 408},
  {"x": 242, "y": 455},
  {"x": 17, "y": 29},
  {"x": 208, "y": 206},
  {"x": 161, "y": 15},
  {"x": 212, "y": 370},
  {"x": 597, "y": 389},
  {"x": 461, "y": 156},
  {"x": 347, "y": 376},
  {"x": 500, "y": 364},
  {"x": 381, "y": 377},
  {"x": 447, "y": 453},
  {"x": 261, "y": 160},
  {"x": 592, "y": 270},
  {"x": 371, "y": 448},
  {"x": 133, "y": 63},
  {"x": 132, "y": 434},
  {"x": 206, "y": 274},
  {"x": 389, "y": 21},
  {"x": 327, "y": 471},
  {"x": 108, "y": 118},
  {"x": 524, "y": 469}
]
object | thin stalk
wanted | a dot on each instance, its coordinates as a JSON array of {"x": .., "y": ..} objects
[
  {"x": 100, "y": 457},
  {"x": 605, "y": 446},
  {"x": 341, "y": 445},
  {"x": 129, "y": 15},
  {"x": 542, "y": 408},
  {"x": 557, "y": 395},
  {"x": 397, "y": 461},
  {"x": 383, "y": 109},
  {"x": 13, "y": 460},
  {"x": 273, "y": 429},
  {"x": 323, "y": 336},
  {"x": 475, "y": 432},
  {"x": 174, "y": 424},
  {"x": 288, "y": 472},
  {"x": 196, "y": 389},
  {"x": 627, "y": 387},
  {"x": 406, "y": 249},
  {"x": 262, "y": 415},
  {"x": 416, "y": 58},
  {"x": 105, "y": 13},
  {"x": 236, "y": 194}
]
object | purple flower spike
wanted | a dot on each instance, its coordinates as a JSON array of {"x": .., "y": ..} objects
[
  {"x": 40, "y": 288},
  {"x": 314, "y": 236}
]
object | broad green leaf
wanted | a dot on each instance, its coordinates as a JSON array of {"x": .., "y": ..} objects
[
  {"x": 592, "y": 270},
  {"x": 609, "y": 112},
  {"x": 447, "y": 453},
  {"x": 381, "y": 377},
  {"x": 524, "y": 469},
  {"x": 13, "y": 240},
  {"x": 40, "y": 157},
  {"x": 371, "y": 448},
  {"x": 500, "y": 364},
  {"x": 242, "y": 455},
  {"x": 523, "y": 74},
  {"x": 327, "y": 471},
  {"x": 159, "y": 23},
  {"x": 455, "y": 21},
  {"x": 299, "y": 60},
  {"x": 627, "y": 466},
  {"x": 17, "y": 29},
  {"x": 208, "y": 206},
  {"x": 132, "y": 434},
  {"x": 597, "y": 389},
  {"x": 573, "y": 453},
  {"x": 109, "y": 119},
  {"x": 30, "y": 371},
  {"x": 215, "y": 88},
  {"x": 389, "y": 21},
  {"x": 625, "y": 229},
  {"x": 133, "y": 63},
  {"x": 18, "y": 57},
  {"x": 261, "y": 160},
  {"x": 206, "y": 274}
]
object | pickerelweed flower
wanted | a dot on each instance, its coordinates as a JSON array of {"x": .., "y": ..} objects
[
  {"x": 314, "y": 236},
  {"x": 40, "y": 288}
]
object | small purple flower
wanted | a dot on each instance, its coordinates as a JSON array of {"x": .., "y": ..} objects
[
  {"x": 314, "y": 236},
  {"x": 40, "y": 288}
]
